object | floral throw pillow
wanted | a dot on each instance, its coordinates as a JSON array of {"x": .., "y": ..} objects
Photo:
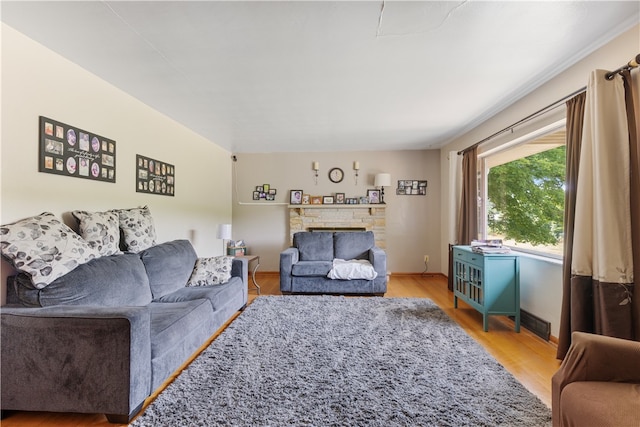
[
  {"x": 100, "y": 230},
  {"x": 138, "y": 231},
  {"x": 211, "y": 271},
  {"x": 44, "y": 248}
]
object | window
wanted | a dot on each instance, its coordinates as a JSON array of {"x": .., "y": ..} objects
[{"x": 523, "y": 186}]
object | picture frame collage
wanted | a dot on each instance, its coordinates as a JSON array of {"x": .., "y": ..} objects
[
  {"x": 264, "y": 192},
  {"x": 299, "y": 197},
  {"x": 411, "y": 187},
  {"x": 70, "y": 151},
  {"x": 154, "y": 176}
]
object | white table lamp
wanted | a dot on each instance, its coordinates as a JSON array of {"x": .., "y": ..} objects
[
  {"x": 382, "y": 180},
  {"x": 224, "y": 233}
]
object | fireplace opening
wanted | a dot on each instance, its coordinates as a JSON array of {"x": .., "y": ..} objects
[{"x": 336, "y": 229}]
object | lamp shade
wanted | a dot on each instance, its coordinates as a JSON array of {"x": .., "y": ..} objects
[
  {"x": 382, "y": 180},
  {"x": 224, "y": 231}
]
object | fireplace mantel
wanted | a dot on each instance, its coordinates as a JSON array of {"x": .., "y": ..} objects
[{"x": 372, "y": 208}]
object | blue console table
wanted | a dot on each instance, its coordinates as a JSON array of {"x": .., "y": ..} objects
[{"x": 490, "y": 283}]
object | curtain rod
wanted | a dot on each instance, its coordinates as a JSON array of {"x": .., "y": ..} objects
[
  {"x": 549, "y": 107},
  {"x": 630, "y": 65}
]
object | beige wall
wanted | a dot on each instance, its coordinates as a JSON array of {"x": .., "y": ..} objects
[
  {"x": 37, "y": 81},
  {"x": 541, "y": 281},
  {"x": 412, "y": 221}
]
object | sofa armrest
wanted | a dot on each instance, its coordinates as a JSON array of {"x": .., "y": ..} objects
[
  {"x": 378, "y": 258},
  {"x": 288, "y": 257},
  {"x": 240, "y": 268},
  {"x": 75, "y": 359},
  {"x": 595, "y": 358}
]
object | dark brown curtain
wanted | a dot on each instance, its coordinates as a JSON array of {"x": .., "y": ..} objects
[
  {"x": 634, "y": 154},
  {"x": 467, "y": 224},
  {"x": 468, "y": 215},
  {"x": 591, "y": 303},
  {"x": 575, "y": 120}
]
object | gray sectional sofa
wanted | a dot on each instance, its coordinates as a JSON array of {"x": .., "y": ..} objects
[
  {"x": 104, "y": 336},
  {"x": 305, "y": 267}
]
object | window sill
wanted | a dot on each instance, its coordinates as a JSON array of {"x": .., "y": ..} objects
[{"x": 537, "y": 256}]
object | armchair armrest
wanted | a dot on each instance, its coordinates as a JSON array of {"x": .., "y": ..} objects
[
  {"x": 378, "y": 258},
  {"x": 288, "y": 257},
  {"x": 595, "y": 358},
  {"x": 75, "y": 359}
]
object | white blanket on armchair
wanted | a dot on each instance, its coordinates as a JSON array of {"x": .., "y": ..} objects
[{"x": 352, "y": 269}]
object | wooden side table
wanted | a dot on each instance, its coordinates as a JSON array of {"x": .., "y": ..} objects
[{"x": 250, "y": 259}]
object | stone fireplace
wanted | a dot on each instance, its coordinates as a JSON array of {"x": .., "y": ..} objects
[{"x": 339, "y": 218}]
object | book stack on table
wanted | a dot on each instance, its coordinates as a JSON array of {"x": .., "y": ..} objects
[{"x": 492, "y": 246}]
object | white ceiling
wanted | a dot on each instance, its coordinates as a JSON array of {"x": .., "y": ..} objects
[{"x": 324, "y": 76}]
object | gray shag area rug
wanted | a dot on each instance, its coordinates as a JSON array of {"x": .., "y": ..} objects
[{"x": 336, "y": 361}]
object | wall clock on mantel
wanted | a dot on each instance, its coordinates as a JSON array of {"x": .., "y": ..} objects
[{"x": 336, "y": 175}]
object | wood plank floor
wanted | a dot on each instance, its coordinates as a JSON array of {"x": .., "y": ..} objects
[{"x": 529, "y": 358}]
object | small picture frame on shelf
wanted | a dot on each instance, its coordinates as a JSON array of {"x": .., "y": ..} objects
[
  {"x": 327, "y": 200},
  {"x": 256, "y": 195},
  {"x": 306, "y": 199},
  {"x": 316, "y": 200},
  {"x": 373, "y": 196},
  {"x": 340, "y": 198},
  {"x": 295, "y": 197}
]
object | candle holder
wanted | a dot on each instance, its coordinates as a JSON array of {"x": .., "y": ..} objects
[{"x": 356, "y": 168}]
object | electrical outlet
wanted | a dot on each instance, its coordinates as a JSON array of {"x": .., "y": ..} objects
[{"x": 426, "y": 259}]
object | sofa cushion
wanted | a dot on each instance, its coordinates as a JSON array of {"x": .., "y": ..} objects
[
  {"x": 211, "y": 271},
  {"x": 138, "y": 231},
  {"x": 169, "y": 266},
  {"x": 177, "y": 330},
  {"x": 100, "y": 229},
  {"x": 314, "y": 246},
  {"x": 44, "y": 248},
  {"x": 353, "y": 245},
  {"x": 218, "y": 295},
  {"x": 110, "y": 281},
  {"x": 311, "y": 268}
]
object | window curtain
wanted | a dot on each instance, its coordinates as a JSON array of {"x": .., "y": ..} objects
[
  {"x": 467, "y": 224},
  {"x": 575, "y": 120},
  {"x": 468, "y": 214},
  {"x": 601, "y": 232}
]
